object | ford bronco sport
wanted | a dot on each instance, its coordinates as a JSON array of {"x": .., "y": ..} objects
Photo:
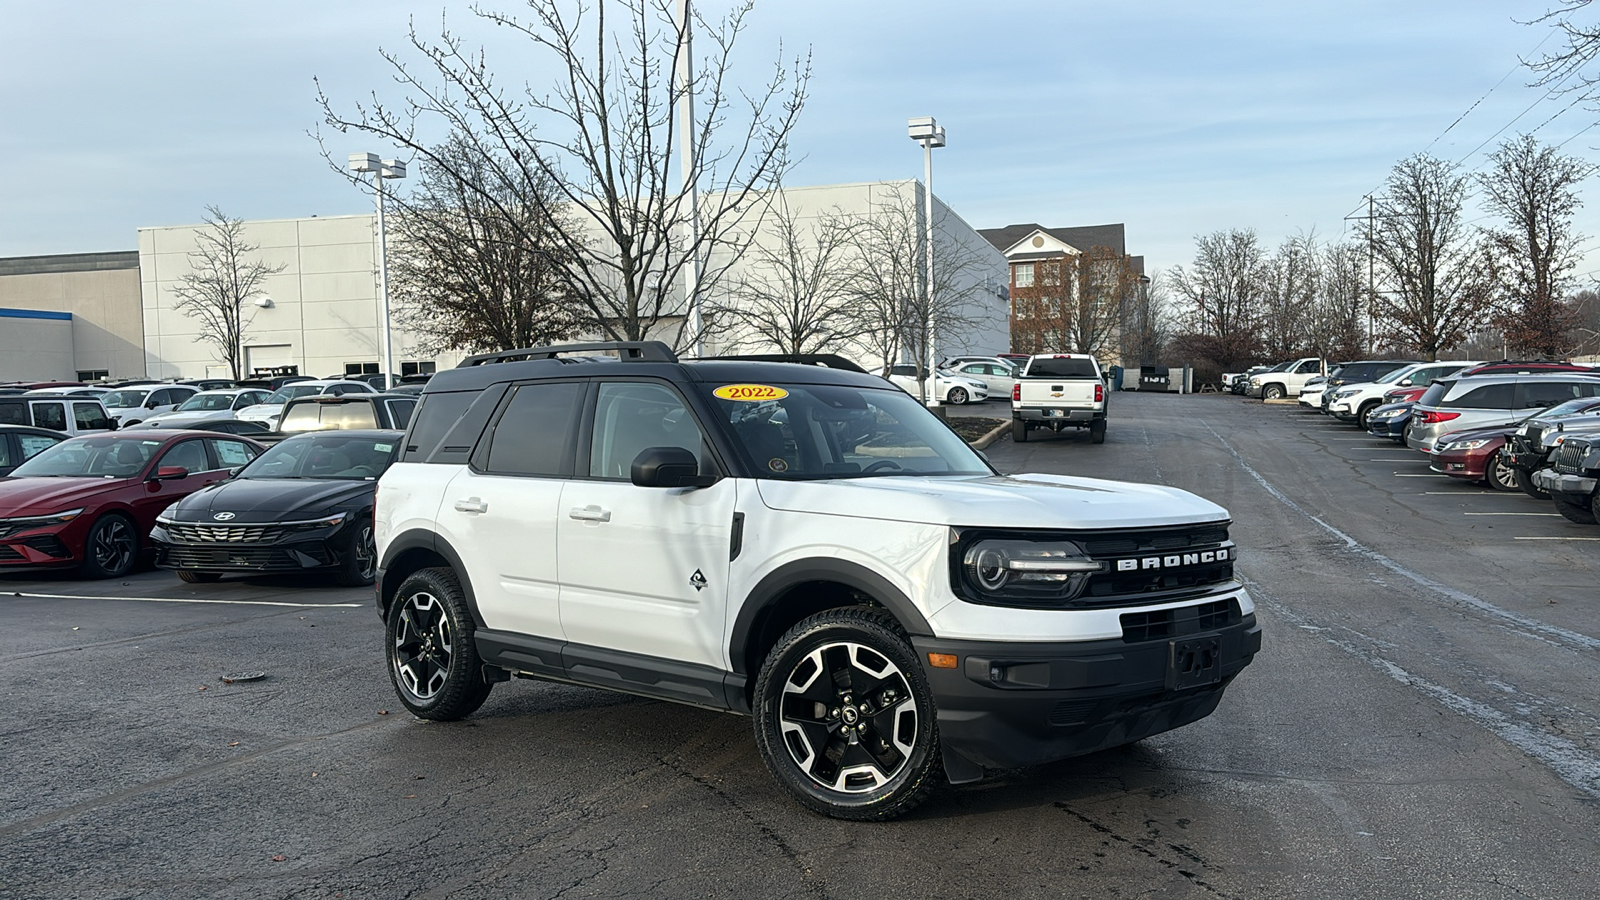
[{"x": 802, "y": 544}]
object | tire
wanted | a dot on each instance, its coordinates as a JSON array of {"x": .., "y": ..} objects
[
  {"x": 1582, "y": 513},
  {"x": 1525, "y": 481},
  {"x": 189, "y": 576},
  {"x": 1365, "y": 411},
  {"x": 1097, "y": 431},
  {"x": 890, "y": 761},
  {"x": 1500, "y": 476},
  {"x": 957, "y": 396},
  {"x": 433, "y": 662},
  {"x": 1019, "y": 431},
  {"x": 111, "y": 549},
  {"x": 360, "y": 556},
  {"x": 1272, "y": 392}
]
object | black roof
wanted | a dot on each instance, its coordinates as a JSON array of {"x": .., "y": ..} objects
[
  {"x": 30, "y": 429},
  {"x": 657, "y": 361}
]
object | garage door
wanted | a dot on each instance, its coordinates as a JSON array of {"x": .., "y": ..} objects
[{"x": 268, "y": 356}]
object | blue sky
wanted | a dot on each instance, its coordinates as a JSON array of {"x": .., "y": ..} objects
[{"x": 1177, "y": 118}]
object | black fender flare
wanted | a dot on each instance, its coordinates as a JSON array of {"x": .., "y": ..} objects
[
  {"x": 767, "y": 592},
  {"x": 423, "y": 539}
]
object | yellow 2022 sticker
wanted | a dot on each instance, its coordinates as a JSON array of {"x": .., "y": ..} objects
[{"x": 750, "y": 392}]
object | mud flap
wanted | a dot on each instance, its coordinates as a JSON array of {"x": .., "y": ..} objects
[{"x": 957, "y": 768}]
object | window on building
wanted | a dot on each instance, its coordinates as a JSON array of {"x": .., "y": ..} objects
[
  {"x": 361, "y": 368},
  {"x": 1023, "y": 274},
  {"x": 416, "y": 368},
  {"x": 93, "y": 374}
]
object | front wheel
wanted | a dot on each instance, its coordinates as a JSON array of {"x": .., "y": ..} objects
[
  {"x": 1582, "y": 513},
  {"x": 1526, "y": 483},
  {"x": 360, "y": 557},
  {"x": 957, "y": 396},
  {"x": 111, "y": 548},
  {"x": 1272, "y": 392},
  {"x": 1365, "y": 413},
  {"x": 1499, "y": 475},
  {"x": 844, "y": 717},
  {"x": 433, "y": 662}
]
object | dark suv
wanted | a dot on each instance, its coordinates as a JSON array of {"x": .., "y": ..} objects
[{"x": 325, "y": 412}]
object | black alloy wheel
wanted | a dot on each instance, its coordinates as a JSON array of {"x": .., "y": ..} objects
[
  {"x": 433, "y": 662},
  {"x": 844, "y": 717},
  {"x": 360, "y": 557},
  {"x": 1499, "y": 474},
  {"x": 111, "y": 548}
]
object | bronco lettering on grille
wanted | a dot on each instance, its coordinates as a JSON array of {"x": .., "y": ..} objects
[{"x": 1175, "y": 560}]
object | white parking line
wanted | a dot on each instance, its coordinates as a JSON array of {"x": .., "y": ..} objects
[
  {"x": 1429, "y": 475},
  {"x": 1556, "y": 539},
  {"x": 185, "y": 600},
  {"x": 1557, "y": 515},
  {"x": 1469, "y": 493},
  {"x": 1393, "y": 459}
]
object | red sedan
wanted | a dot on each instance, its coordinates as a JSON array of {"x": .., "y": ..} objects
[
  {"x": 1474, "y": 455},
  {"x": 91, "y": 501}
]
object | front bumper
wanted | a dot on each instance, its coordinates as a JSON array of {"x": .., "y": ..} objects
[
  {"x": 1557, "y": 483},
  {"x": 40, "y": 548},
  {"x": 1468, "y": 464},
  {"x": 291, "y": 553},
  {"x": 1011, "y": 704}
]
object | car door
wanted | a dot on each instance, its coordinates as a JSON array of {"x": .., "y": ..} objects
[
  {"x": 50, "y": 414},
  {"x": 643, "y": 570},
  {"x": 159, "y": 493},
  {"x": 501, "y": 511}
]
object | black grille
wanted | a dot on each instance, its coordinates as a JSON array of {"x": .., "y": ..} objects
[
  {"x": 1165, "y": 539},
  {"x": 193, "y": 533},
  {"x": 49, "y": 545},
  {"x": 1183, "y": 546},
  {"x": 1569, "y": 458},
  {"x": 188, "y": 556},
  {"x": 9, "y": 553},
  {"x": 1072, "y": 712},
  {"x": 1157, "y": 625}
]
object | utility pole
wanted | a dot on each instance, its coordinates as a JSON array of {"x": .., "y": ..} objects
[
  {"x": 1372, "y": 321},
  {"x": 686, "y": 171}
]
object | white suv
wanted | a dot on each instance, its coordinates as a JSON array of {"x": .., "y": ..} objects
[{"x": 808, "y": 546}]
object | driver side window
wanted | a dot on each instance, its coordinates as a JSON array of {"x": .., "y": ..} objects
[
  {"x": 190, "y": 454},
  {"x": 630, "y": 417}
]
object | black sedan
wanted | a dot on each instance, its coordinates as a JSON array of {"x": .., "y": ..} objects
[{"x": 305, "y": 505}]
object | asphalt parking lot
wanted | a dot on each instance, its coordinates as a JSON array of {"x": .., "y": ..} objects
[{"x": 1421, "y": 723}]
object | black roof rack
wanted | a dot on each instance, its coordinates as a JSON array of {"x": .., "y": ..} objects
[
  {"x": 639, "y": 351},
  {"x": 826, "y": 360}
]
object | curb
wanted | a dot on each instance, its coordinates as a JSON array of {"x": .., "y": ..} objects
[
  {"x": 993, "y": 435},
  {"x": 1285, "y": 400}
]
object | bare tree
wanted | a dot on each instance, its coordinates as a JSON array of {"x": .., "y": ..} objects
[
  {"x": 1222, "y": 295},
  {"x": 474, "y": 275},
  {"x": 1339, "y": 322},
  {"x": 1569, "y": 69},
  {"x": 1146, "y": 323},
  {"x": 606, "y": 136},
  {"x": 795, "y": 292},
  {"x": 221, "y": 280},
  {"x": 1076, "y": 303},
  {"x": 1292, "y": 280},
  {"x": 1437, "y": 275},
  {"x": 891, "y": 316},
  {"x": 1534, "y": 189}
]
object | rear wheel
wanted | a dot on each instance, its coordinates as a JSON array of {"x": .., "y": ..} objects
[
  {"x": 1097, "y": 431},
  {"x": 844, "y": 717},
  {"x": 1525, "y": 481},
  {"x": 111, "y": 548},
  {"x": 433, "y": 662},
  {"x": 191, "y": 577},
  {"x": 1019, "y": 431},
  {"x": 1499, "y": 474},
  {"x": 1582, "y": 513}
]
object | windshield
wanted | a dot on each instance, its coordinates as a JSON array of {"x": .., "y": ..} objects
[
  {"x": 105, "y": 457},
  {"x": 1396, "y": 375},
  {"x": 285, "y": 394},
  {"x": 811, "y": 432},
  {"x": 325, "y": 456},
  {"x": 206, "y": 402},
  {"x": 122, "y": 399},
  {"x": 1570, "y": 408}
]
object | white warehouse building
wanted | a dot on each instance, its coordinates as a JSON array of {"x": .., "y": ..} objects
[{"x": 319, "y": 313}]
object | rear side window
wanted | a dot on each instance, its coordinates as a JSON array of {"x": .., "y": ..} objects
[
  {"x": 1548, "y": 392},
  {"x": 1488, "y": 396},
  {"x": 50, "y": 415},
  {"x": 14, "y": 414},
  {"x": 1435, "y": 393},
  {"x": 1062, "y": 368},
  {"x": 33, "y": 443},
  {"x": 400, "y": 412},
  {"x": 534, "y": 434},
  {"x": 433, "y": 418}
]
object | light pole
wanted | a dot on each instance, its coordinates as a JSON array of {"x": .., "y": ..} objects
[
  {"x": 927, "y": 132},
  {"x": 684, "y": 74},
  {"x": 381, "y": 169}
]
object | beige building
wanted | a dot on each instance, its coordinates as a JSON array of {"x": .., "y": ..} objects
[
  {"x": 102, "y": 338},
  {"x": 318, "y": 314}
]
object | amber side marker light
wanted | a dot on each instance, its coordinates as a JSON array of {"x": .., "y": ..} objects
[{"x": 942, "y": 660}]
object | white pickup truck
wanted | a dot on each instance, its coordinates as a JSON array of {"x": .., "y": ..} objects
[
  {"x": 1285, "y": 379},
  {"x": 1056, "y": 391}
]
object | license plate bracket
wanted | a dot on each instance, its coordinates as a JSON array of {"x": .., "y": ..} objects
[
  {"x": 1053, "y": 412},
  {"x": 1194, "y": 662}
]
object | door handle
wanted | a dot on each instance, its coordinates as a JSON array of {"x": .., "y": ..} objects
[
  {"x": 590, "y": 513},
  {"x": 472, "y": 505}
]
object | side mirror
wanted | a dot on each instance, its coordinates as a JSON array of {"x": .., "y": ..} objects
[
  {"x": 234, "y": 472},
  {"x": 668, "y": 467},
  {"x": 171, "y": 473}
]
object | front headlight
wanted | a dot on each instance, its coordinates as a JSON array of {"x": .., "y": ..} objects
[
  {"x": 312, "y": 524},
  {"x": 1346, "y": 392},
  {"x": 1463, "y": 445},
  {"x": 1008, "y": 570},
  {"x": 40, "y": 521}
]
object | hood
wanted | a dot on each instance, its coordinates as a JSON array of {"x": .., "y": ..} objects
[
  {"x": 271, "y": 499},
  {"x": 39, "y": 496},
  {"x": 1017, "y": 501}
]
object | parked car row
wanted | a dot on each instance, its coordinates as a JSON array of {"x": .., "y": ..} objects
[{"x": 1511, "y": 426}]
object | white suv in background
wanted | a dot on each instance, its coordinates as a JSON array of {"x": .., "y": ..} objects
[
  {"x": 1352, "y": 402},
  {"x": 805, "y": 545},
  {"x": 270, "y": 410}
]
